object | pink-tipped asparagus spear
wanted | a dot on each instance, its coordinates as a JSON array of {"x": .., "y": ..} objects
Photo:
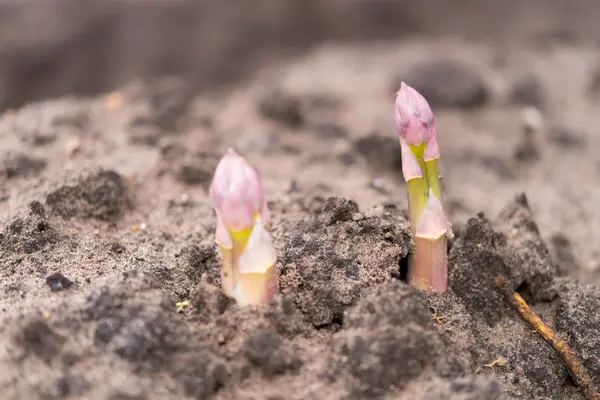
[
  {"x": 428, "y": 267},
  {"x": 248, "y": 258}
]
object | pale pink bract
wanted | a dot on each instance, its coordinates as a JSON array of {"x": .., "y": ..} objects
[
  {"x": 414, "y": 118},
  {"x": 236, "y": 192}
]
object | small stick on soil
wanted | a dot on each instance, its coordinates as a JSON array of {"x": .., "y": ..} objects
[{"x": 574, "y": 365}]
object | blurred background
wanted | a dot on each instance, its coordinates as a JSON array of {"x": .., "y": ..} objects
[
  {"x": 50, "y": 48},
  {"x": 515, "y": 86}
]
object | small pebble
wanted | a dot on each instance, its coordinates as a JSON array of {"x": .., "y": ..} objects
[
  {"x": 221, "y": 339},
  {"x": 72, "y": 147},
  {"x": 378, "y": 184},
  {"x": 532, "y": 118}
]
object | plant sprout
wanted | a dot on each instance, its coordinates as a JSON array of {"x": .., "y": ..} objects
[
  {"x": 428, "y": 264},
  {"x": 248, "y": 272}
]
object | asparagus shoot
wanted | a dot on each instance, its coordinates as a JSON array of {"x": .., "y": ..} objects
[
  {"x": 428, "y": 265},
  {"x": 248, "y": 272}
]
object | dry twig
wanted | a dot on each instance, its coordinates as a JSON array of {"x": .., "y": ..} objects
[{"x": 573, "y": 364}]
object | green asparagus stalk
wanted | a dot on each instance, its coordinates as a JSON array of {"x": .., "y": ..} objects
[{"x": 428, "y": 264}]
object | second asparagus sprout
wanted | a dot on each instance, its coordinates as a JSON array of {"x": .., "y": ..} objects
[{"x": 428, "y": 266}]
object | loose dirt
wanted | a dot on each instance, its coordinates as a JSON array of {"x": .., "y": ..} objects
[{"x": 109, "y": 284}]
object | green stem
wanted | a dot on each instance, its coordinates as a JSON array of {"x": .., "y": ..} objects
[
  {"x": 418, "y": 188},
  {"x": 433, "y": 177},
  {"x": 417, "y": 197}
]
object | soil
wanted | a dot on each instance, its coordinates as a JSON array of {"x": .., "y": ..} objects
[{"x": 109, "y": 283}]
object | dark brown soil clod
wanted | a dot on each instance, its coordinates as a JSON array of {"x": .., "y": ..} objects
[
  {"x": 58, "y": 282},
  {"x": 101, "y": 195},
  {"x": 283, "y": 108}
]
